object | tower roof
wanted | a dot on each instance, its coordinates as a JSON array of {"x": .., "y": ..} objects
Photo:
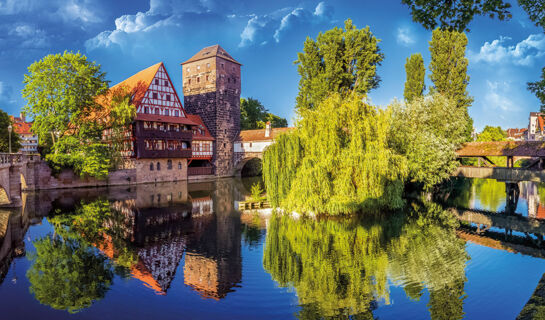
[{"x": 212, "y": 51}]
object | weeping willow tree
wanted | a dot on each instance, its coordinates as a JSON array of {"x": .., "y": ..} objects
[{"x": 338, "y": 161}]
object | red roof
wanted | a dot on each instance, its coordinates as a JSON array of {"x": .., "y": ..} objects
[
  {"x": 212, "y": 51},
  {"x": 139, "y": 82},
  {"x": 259, "y": 134},
  {"x": 22, "y": 127},
  {"x": 196, "y": 136}
]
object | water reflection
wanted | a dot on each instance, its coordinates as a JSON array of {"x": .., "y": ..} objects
[{"x": 341, "y": 268}]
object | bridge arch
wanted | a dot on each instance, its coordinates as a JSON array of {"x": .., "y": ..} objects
[
  {"x": 4, "y": 197},
  {"x": 241, "y": 163}
]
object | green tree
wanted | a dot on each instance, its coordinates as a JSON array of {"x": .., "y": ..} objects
[
  {"x": 455, "y": 15},
  {"x": 67, "y": 274},
  {"x": 339, "y": 60},
  {"x": 490, "y": 133},
  {"x": 535, "y": 10},
  {"x": 253, "y": 115},
  {"x": 416, "y": 73},
  {"x": 338, "y": 161},
  {"x": 5, "y": 121},
  {"x": 448, "y": 70},
  {"x": 538, "y": 88},
  {"x": 427, "y": 131},
  {"x": 68, "y": 97}
]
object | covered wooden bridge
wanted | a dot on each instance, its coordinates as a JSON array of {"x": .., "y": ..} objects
[{"x": 511, "y": 151}]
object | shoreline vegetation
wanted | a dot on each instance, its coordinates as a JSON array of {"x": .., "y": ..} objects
[{"x": 346, "y": 155}]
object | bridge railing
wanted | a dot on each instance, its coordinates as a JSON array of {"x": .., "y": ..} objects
[{"x": 12, "y": 158}]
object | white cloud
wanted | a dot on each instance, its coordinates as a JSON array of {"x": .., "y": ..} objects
[
  {"x": 30, "y": 37},
  {"x": 523, "y": 53},
  {"x": 497, "y": 96},
  {"x": 404, "y": 37},
  {"x": 74, "y": 10},
  {"x": 262, "y": 29}
]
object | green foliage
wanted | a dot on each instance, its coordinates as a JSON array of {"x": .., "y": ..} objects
[
  {"x": 416, "y": 73},
  {"x": 64, "y": 93},
  {"x": 338, "y": 268},
  {"x": 253, "y": 115},
  {"x": 5, "y": 121},
  {"x": 67, "y": 274},
  {"x": 337, "y": 162},
  {"x": 535, "y": 10},
  {"x": 490, "y": 133},
  {"x": 339, "y": 60},
  {"x": 256, "y": 192},
  {"x": 427, "y": 131},
  {"x": 448, "y": 68},
  {"x": 538, "y": 88},
  {"x": 455, "y": 15}
]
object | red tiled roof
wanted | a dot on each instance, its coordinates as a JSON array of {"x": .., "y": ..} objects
[
  {"x": 259, "y": 134},
  {"x": 169, "y": 119},
  {"x": 197, "y": 119},
  {"x": 139, "y": 83},
  {"x": 540, "y": 121},
  {"x": 22, "y": 127},
  {"x": 212, "y": 51}
]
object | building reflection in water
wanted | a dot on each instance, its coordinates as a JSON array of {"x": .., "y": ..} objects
[{"x": 145, "y": 230}]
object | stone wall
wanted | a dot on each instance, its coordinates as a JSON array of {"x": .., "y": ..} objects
[{"x": 161, "y": 171}]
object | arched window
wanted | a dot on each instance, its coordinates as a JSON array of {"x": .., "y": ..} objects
[
  {"x": 169, "y": 164},
  {"x": 151, "y": 166},
  {"x": 158, "y": 166}
]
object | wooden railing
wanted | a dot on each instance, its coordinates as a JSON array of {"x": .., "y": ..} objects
[{"x": 199, "y": 171}]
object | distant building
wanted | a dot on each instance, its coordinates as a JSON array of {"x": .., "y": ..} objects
[
  {"x": 257, "y": 140},
  {"x": 536, "y": 126},
  {"x": 29, "y": 141},
  {"x": 517, "y": 134}
]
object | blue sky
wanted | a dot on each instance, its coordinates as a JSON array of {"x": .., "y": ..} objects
[{"x": 265, "y": 36}]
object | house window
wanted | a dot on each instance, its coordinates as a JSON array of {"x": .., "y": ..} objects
[
  {"x": 176, "y": 113},
  {"x": 146, "y": 110},
  {"x": 168, "y": 97},
  {"x": 158, "y": 166},
  {"x": 151, "y": 166},
  {"x": 166, "y": 83},
  {"x": 179, "y": 165},
  {"x": 157, "y": 81},
  {"x": 155, "y": 95},
  {"x": 157, "y": 111},
  {"x": 169, "y": 164},
  {"x": 250, "y": 145}
]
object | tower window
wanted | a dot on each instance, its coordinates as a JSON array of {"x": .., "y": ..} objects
[
  {"x": 151, "y": 166},
  {"x": 155, "y": 95},
  {"x": 169, "y": 164},
  {"x": 198, "y": 67},
  {"x": 229, "y": 80},
  {"x": 187, "y": 69},
  {"x": 222, "y": 65},
  {"x": 208, "y": 65},
  {"x": 206, "y": 78},
  {"x": 180, "y": 165},
  {"x": 235, "y": 80},
  {"x": 189, "y": 81},
  {"x": 198, "y": 79},
  {"x": 158, "y": 166}
]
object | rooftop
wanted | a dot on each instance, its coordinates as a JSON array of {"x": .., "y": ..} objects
[
  {"x": 212, "y": 51},
  {"x": 259, "y": 134}
]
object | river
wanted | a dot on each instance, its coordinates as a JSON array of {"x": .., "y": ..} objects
[{"x": 184, "y": 251}]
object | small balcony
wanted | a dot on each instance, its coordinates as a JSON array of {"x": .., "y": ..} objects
[{"x": 179, "y": 153}]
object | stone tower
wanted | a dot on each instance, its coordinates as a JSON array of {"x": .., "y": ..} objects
[{"x": 211, "y": 81}]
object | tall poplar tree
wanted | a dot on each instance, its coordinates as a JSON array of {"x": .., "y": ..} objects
[
  {"x": 339, "y": 60},
  {"x": 448, "y": 68},
  {"x": 416, "y": 72}
]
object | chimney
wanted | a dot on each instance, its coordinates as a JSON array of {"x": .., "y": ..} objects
[
  {"x": 268, "y": 129},
  {"x": 22, "y": 115}
]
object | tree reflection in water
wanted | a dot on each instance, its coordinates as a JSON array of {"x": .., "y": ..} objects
[{"x": 341, "y": 267}]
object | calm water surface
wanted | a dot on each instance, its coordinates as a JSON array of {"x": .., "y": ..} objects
[{"x": 183, "y": 251}]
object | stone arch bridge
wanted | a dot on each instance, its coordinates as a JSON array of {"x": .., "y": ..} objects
[{"x": 16, "y": 174}]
